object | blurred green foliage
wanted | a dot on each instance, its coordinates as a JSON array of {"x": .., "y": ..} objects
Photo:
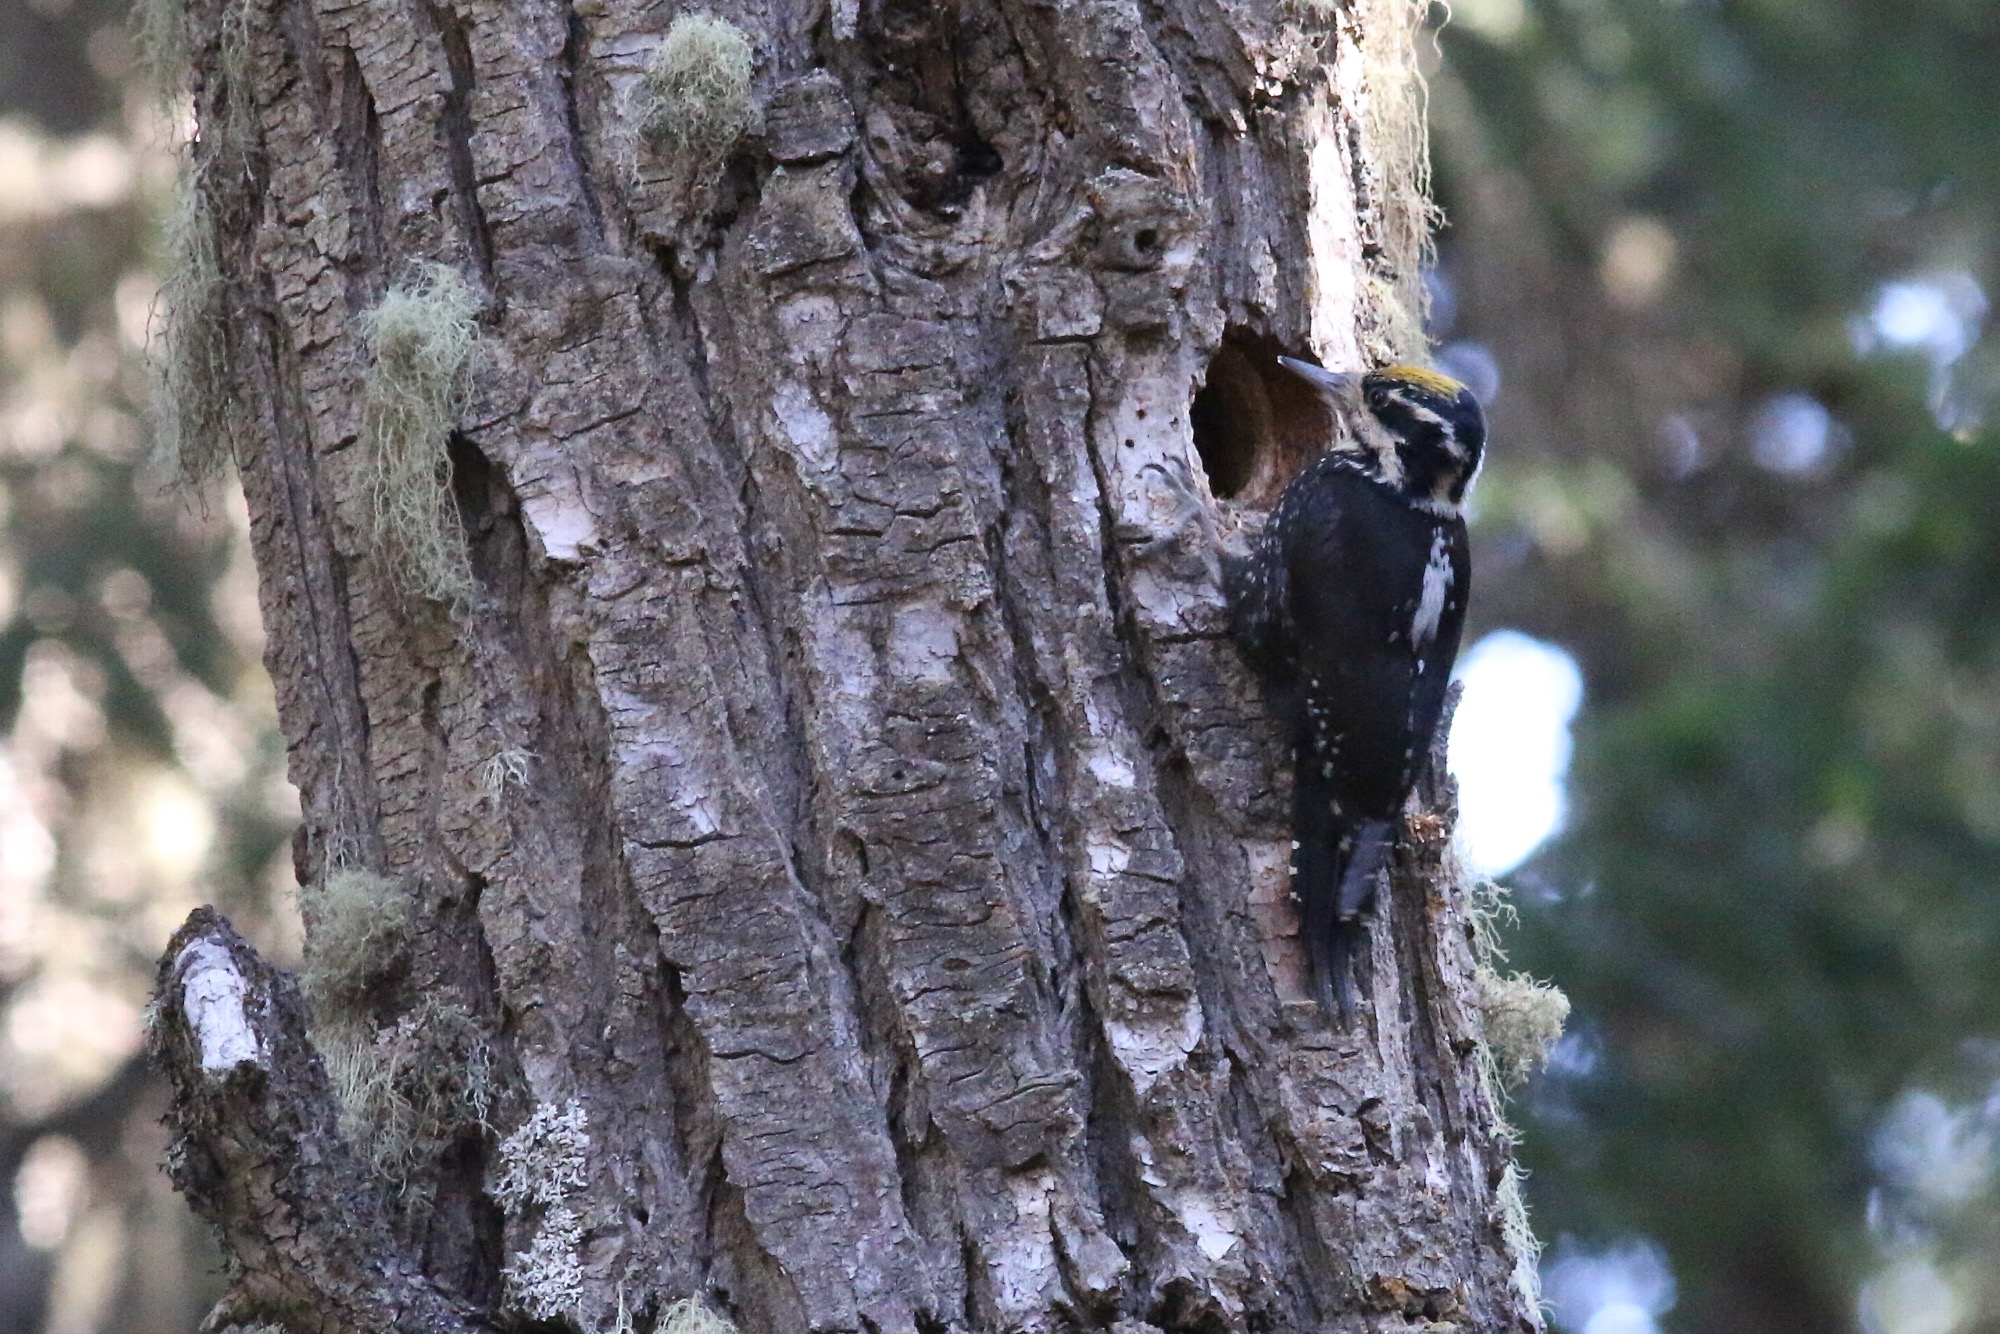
[
  {"x": 1763, "y": 515},
  {"x": 140, "y": 768}
]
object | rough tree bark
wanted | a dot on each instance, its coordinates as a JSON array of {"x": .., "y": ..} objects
[{"x": 846, "y": 840}]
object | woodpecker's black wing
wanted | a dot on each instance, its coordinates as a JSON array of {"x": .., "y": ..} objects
[
  {"x": 1258, "y": 591},
  {"x": 1351, "y": 604},
  {"x": 1377, "y": 592},
  {"x": 1335, "y": 859}
]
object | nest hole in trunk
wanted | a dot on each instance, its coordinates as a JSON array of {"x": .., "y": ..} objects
[{"x": 1255, "y": 423}]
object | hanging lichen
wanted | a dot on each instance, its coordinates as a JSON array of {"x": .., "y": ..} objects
[
  {"x": 189, "y": 347},
  {"x": 362, "y": 927},
  {"x": 422, "y": 338},
  {"x": 1393, "y": 108},
  {"x": 1520, "y": 1020},
  {"x": 189, "y": 352},
  {"x": 1396, "y": 118},
  {"x": 693, "y": 103}
]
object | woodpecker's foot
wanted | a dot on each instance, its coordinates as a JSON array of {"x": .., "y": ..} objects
[{"x": 1185, "y": 504}]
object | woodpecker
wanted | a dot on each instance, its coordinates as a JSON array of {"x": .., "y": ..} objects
[{"x": 1349, "y": 606}]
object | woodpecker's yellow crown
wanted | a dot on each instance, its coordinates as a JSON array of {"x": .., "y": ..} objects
[{"x": 1419, "y": 377}]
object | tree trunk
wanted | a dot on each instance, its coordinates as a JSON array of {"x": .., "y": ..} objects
[{"x": 844, "y": 860}]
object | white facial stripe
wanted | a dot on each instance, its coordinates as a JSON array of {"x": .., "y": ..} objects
[
  {"x": 1437, "y": 584},
  {"x": 1448, "y": 434},
  {"x": 1417, "y": 410},
  {"x": 1375, "y": 437}
]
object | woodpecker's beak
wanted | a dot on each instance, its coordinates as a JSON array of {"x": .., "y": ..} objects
[{"x": 1335, "y": 385}]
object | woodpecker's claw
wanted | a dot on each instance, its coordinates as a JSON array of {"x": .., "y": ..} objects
[{"x": 1189, "y": 508}]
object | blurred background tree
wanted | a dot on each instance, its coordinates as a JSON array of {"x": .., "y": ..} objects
[
  {"x": 1721, "y": 268},
  {"x": 1727, "y": 265},
  {"x": 140, "y": 771}
]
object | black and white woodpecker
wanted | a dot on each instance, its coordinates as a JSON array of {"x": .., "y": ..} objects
[{"x": 1349, "y": 605}]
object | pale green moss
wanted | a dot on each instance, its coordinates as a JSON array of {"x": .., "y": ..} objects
[
  {"x": 691, "y": 1316},
  {"x": 1519, "y": 1233},
  {"x": 239, "y": 74},
  {"x": 504, "y": 769},
  {"x": 1396, "y": 115},
  {"x": 1523, "y": 1018},
  {"x": 693, "y": 103},
  {"x": 159, "y": 31},
  {"x": 1520, "y": 1021},
  {"x": 358, "y": 929},
  {"x": 403, "y": 1091},
  {"x": 189, "y": 353},
  {"x": 1394, "y": 111},
  {"x": 423, "y": 340}
]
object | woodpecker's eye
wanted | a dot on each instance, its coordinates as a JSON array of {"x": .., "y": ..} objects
[{"x": 1378, "y": 398}]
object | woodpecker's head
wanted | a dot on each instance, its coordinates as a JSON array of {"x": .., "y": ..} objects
[{"x": 1416, "y": 430}]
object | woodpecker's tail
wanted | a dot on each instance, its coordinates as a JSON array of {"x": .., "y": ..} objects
[{"x": 1334, "y": 861}]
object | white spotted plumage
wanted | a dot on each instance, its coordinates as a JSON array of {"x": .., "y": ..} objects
[
  {"x": 1349, "y": 605},
  {"x": 1431, "y": 602}
]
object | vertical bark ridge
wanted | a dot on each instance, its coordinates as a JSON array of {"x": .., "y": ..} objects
[{"x": 1124, "y": 875}]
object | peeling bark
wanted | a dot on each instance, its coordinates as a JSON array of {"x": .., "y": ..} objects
[{"x": 839, "y": 795}]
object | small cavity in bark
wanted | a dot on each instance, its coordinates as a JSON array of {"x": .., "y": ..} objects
[{"x": 1255, "y": 423}]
